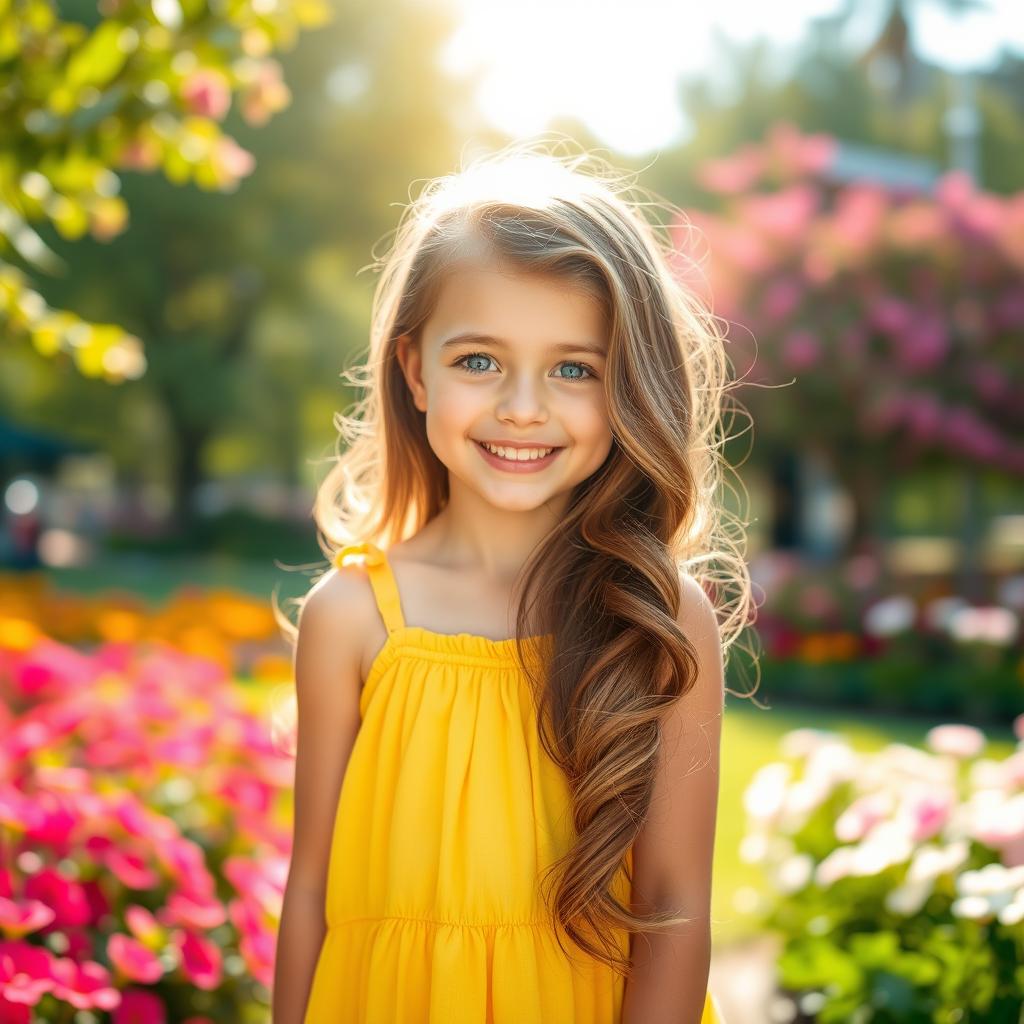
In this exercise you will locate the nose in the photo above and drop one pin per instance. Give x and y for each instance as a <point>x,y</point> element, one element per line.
<point>521,401</point>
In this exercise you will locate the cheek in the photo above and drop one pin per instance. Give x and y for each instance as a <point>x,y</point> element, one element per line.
<point>589,420</point>
<point>453,410</point>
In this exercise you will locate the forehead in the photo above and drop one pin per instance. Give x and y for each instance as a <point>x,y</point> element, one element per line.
<point>526,309</point>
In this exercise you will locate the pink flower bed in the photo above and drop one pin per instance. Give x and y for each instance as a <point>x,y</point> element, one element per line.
<point>144,837</point>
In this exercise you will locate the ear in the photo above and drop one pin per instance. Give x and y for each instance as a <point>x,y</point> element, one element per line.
<point>410,358</point>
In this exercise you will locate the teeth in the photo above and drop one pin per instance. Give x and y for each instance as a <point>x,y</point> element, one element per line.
<point>518,454</point>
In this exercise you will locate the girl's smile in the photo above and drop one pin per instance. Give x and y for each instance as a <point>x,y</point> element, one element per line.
<point>518,458</point>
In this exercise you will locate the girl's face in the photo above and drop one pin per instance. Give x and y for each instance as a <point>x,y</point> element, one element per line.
<point>518,361</point>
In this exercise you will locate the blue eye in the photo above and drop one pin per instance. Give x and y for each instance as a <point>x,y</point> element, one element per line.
<point>463,361</point>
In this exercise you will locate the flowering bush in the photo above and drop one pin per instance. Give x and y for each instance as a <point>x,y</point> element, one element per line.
<point>845,634</point>
<point>223,625</point>
<point>144,836</point>
<point>896,878</point>
<point>899,312</point>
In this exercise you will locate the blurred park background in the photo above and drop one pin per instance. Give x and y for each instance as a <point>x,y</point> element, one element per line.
<point>190,196</point>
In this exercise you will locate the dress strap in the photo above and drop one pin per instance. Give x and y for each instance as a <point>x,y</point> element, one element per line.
<point>382,579</point>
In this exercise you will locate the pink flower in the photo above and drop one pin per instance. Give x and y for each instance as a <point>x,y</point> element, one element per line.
<point>861,817</point>
<point>86,986</point>
<point>266,94</point>
<point>785,214</point>
<point>781,297</point>
<point>133,959</point>
<point>65,897</point>
<point>246,791</point>
<point>860,210</point>
<point>891,315</point>
<point>195,913</point>
<point>186,861</point>
<point>130,869</point>
<point>923,417</point>
<point>734,174</point>
<point>961,741</point>
<point>1013,768</point>
<point>990,383</point>
<point>18,918</point>
<point>207,92</point>
<point>144,925</point>
<point>923,344</point>
<point>140,1007</point>
<point>200,959</point>
<point>928,813</point>
<point>801,350</point>
<point>140,155</point>
<point>954,189</point>
<point>1008,309</point>
<point>794,153</point>
<point>257,942</point>
<point>966,433</point>
<point>231,161</point>
<point>915,225</point>
<point>25,975</point>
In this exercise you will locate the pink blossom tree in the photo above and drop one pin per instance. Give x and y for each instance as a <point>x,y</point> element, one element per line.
<point>898,316</point>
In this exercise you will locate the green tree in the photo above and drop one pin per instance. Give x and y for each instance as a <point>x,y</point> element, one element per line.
<point>251,308</point>
<point>144,86</point>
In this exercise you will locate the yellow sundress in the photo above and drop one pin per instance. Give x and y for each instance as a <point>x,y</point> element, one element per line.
<point>449,810</point>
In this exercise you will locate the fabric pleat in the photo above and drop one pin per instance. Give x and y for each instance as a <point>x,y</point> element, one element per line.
<point>449,812</point>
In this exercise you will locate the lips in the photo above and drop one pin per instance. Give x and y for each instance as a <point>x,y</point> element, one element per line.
<point>519,465</point>
<point>516,444</point>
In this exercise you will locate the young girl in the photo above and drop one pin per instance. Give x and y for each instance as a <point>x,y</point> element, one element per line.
<point>509,686</point>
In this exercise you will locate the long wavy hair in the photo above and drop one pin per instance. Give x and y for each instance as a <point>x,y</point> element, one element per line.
<point>605,585</point>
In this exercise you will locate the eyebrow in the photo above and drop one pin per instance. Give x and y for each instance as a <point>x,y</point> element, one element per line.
<point>465,337</point>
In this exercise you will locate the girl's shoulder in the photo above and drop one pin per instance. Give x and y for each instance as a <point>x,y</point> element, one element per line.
<point>340,608</point>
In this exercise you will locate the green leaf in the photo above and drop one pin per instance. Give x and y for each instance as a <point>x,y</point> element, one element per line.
<point>102,55</point>
<point>816,963</point>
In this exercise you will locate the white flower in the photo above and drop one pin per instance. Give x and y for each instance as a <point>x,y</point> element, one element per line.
<point>1013,913</point>
<point>794,873</point>
<point>991,880</point>
<point>908,899</point>
<point>887,844</point>
<point>990,891</point>
<point>974,907</point>
<point>930,861</point>
<point>986,773</point>
<point>832,763</point>
<point>803,742</point>
<point>956,740</point>
<point>838,864</point>
<point>800,802</point>
<point>764,797</point>
<point>890,616</point>
<point>990,624</point>
<point>912,763</point>
<point>764,848</point>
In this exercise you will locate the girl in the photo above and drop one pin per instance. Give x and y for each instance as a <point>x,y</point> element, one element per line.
<point>510,687</point>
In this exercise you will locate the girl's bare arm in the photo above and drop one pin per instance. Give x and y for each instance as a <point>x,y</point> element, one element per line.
<point>674,851</point>
<point>332,628</point>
